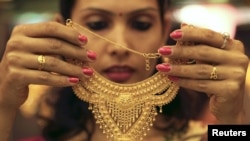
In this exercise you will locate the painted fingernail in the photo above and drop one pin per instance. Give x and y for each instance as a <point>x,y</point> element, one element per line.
<point>163,67</point>
<point>165,50</point>
<point>73,79</point>
<point>83,39</point>
<point>88,71</point>
<point>173,79</point>
<point>177,34</point>
<point>91,55</point>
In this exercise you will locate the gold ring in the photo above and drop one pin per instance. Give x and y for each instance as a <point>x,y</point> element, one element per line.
<point>225,36</point>
<point>41,62</point>
<point>213,74</point>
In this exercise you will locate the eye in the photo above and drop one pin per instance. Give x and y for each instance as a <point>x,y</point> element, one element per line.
<point>97,25</point>
<point>140,25</point>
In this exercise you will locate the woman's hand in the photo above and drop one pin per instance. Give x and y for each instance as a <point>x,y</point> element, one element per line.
<point>49,42</point>
<point>219,71</point>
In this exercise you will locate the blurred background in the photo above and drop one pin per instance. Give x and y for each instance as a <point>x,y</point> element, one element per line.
<point>232,16</point>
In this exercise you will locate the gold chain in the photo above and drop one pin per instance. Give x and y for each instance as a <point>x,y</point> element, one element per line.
<point>147,56</point>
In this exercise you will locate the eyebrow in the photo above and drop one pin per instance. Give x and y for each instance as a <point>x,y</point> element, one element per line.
<point>98,10</point>
<point>129,13</point>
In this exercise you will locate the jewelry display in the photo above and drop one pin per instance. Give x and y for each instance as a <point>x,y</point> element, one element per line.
<point>124,112</point>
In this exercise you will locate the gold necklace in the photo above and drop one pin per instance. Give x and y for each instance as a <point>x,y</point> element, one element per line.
<point>125,112</point>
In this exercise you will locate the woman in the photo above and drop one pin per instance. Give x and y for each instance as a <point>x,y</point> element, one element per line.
<point>140,26</point>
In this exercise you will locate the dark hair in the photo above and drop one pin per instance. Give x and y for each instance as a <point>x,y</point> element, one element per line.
<point>70,118</point>
<point>72,114</point>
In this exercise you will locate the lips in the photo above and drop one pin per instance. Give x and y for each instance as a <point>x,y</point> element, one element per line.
<point>119,74</point>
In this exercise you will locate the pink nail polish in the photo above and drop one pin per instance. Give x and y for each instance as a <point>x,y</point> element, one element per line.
<point>83,38</point>
<point>173,79</point>
<point>165,51</point>
<point>177,34</point>
<point>163,67</point>
<point>91,55</point>
<point>73,80</point>
<point>87,71</point>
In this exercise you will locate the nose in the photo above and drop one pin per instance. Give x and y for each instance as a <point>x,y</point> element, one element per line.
<point>120,39</point>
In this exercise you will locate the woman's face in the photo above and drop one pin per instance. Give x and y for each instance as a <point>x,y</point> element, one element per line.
<point>134,24</point>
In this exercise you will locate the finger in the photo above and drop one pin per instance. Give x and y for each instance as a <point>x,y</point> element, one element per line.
<point>202,53</point>
<point>202,36</point>
<point>210,86</point>
<point>45,78</point>
<point>56,47</point>
<point>50,29</point>
<point>56,65</point>
<point>203,71</point>
<point>199,71</point>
